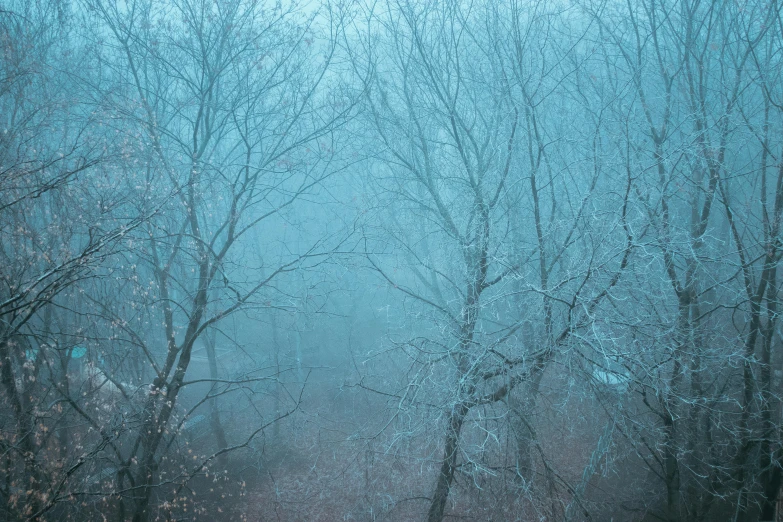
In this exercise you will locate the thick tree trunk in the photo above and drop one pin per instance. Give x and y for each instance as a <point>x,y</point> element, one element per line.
<point>524,432</point>
<point>147,485</point>
<point>771,489</point>
<point>449,465</point>
<point>25,423</point>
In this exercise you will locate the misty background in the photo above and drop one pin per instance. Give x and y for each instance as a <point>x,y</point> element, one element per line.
<point>390,260</point>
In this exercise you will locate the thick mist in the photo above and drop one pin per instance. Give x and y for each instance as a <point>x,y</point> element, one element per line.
<point>393,260</point>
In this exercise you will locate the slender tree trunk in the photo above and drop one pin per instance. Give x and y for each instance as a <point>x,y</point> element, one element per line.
<point>217,426</point>
<point>63,434</point>
<point>671,471</point>
<point>770,470</point>
<point>278,385</point>
<point>671,462</point>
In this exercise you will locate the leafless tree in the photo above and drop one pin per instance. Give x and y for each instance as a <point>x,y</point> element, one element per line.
<point>468,163</point>
<point>232,103</point>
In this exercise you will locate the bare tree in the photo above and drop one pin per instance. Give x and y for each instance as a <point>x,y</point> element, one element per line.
<point>53,241</point>
<point>232,104</point>
<point>694,109</point>
<point>459,115</point>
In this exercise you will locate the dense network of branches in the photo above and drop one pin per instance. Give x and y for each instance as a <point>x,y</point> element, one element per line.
<point>427,259</point>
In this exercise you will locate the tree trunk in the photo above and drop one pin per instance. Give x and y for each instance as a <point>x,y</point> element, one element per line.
<point>217,426</point>
<point>278,384</point>
<point>449,465</point>
<point>771,489</point>
<point>141,513</point>
<point>671,471</point>
<point>524,432</point>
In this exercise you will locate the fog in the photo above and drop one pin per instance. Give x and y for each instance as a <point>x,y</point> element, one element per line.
<point>390,260</point>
